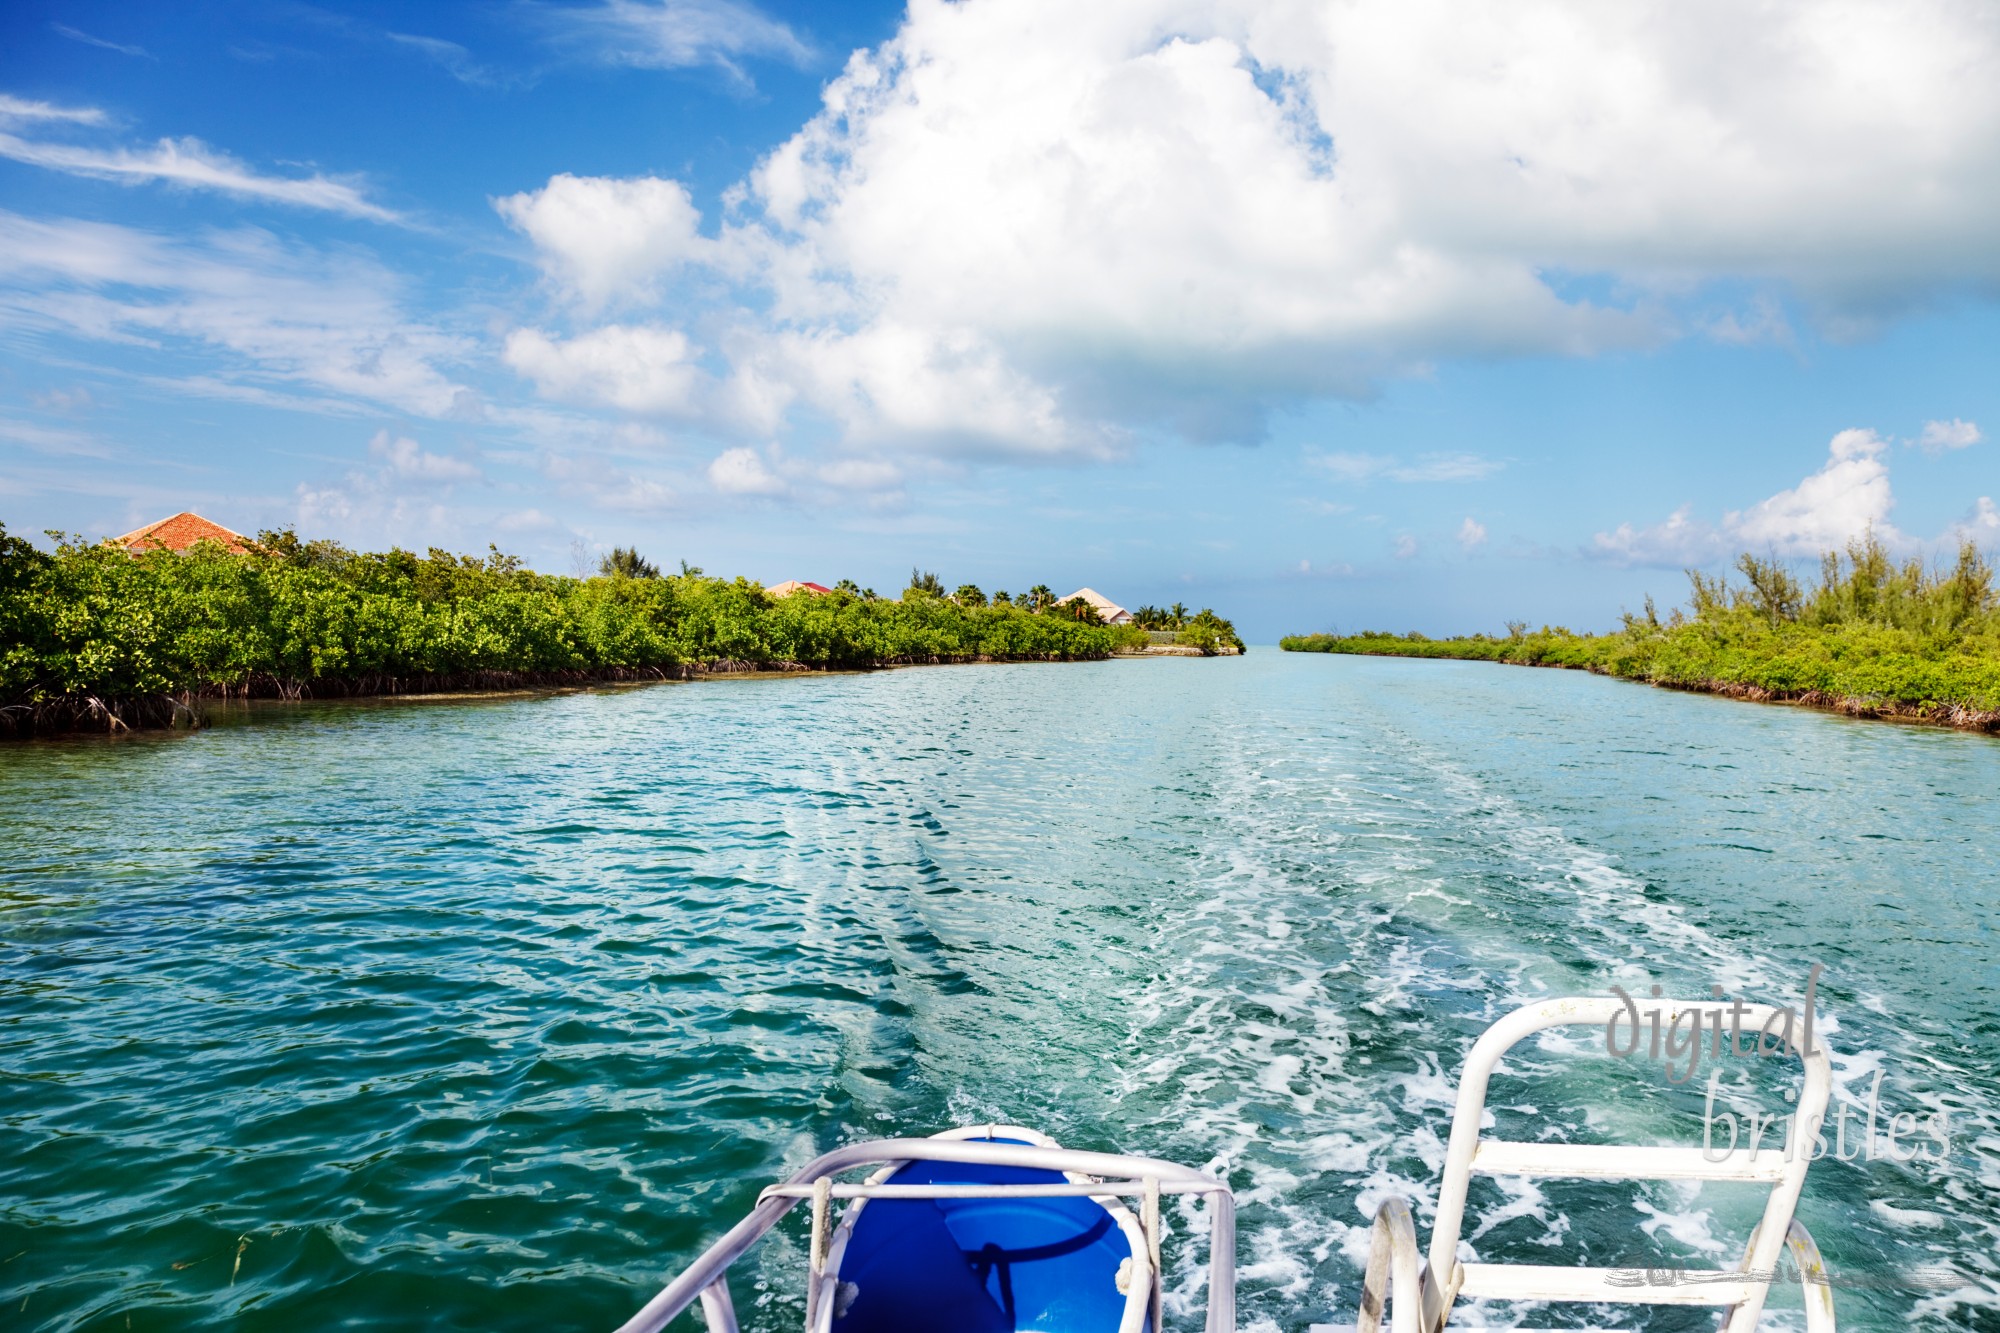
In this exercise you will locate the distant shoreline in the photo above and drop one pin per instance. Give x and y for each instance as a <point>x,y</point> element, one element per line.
<point>1953,716</point>
<point>1870,639</point>
<point>184,710</point>
<point>187,711</point>
<point>96,637</point>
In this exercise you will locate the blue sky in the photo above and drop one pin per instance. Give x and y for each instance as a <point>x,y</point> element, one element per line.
<point>1323,315</point>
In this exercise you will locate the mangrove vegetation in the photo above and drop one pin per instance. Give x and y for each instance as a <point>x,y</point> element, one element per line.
<point>94,637</point>
<point>1868,636</point>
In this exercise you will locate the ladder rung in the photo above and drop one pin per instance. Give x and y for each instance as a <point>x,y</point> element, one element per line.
<point>1478,1328</point>
<point>1592,1161</point>
<point>1625,1286</point>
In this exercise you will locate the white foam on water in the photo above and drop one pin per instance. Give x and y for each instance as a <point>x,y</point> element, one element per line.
<point>1691,1227</point>
<point>1248,1017</point>
<point>1907,1217</point>
<point>1524,1199</point>
<point>1626,931</point>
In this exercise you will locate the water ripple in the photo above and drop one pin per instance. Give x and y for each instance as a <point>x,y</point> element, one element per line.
<point>495,1012</point>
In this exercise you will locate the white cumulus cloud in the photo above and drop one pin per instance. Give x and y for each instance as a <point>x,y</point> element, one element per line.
<point>1679,539</point>
<point>1848,497</point>
<point>638,368</point>
<point>741,472</point>
<point>1941,437</point>
<point>945,385</point>
<point>1845,498</point>
<point>1033,227</point>
<point>598,238</point>
<point>1981,525</point>
<point>1471,534</point>
<point>1156,210</point>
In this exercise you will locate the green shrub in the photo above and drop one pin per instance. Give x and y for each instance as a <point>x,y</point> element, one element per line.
<point>89,622</point>
<point>1906,636</point>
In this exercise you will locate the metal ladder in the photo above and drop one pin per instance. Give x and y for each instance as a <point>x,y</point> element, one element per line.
<point>1420,1295</point>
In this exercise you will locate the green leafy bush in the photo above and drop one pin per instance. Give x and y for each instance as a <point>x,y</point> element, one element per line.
<point>1869,635</point>
<point>90,634</point>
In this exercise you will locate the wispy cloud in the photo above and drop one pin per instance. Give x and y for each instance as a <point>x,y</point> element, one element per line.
<point>56,440</point>
<point>75,35</point>
<point>454,59</point>
<point>1425,467</point>
<point>267,316</point>
<point>592,478</point>
<point>676,34</point>
<point>14,110</point>
<point>407,461</point>
<point>402,494</point>
<point>63,400</point>
<point>192,163</point>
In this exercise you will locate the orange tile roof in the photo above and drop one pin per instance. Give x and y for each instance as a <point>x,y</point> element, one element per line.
<point>180,532</point>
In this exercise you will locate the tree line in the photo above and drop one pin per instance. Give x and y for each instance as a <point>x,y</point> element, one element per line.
<point>1868,634</point>
<point>1204,628</point>
<point>91,636</point>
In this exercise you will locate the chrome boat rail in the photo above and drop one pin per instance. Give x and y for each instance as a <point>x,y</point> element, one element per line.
<point>1109,1175</point>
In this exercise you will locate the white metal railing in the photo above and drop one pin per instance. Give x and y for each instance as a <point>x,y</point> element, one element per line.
<point>1392,1272</point>
<point>1422,1300</point>
<point>1396,1280</point>
<point>1111,1175</point>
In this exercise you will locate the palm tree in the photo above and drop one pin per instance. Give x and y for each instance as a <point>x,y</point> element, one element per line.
<point>1040,598</point>
<point>1079,609</point>
<point>1179,613</point>
<point>848,586</point>
<point>968,594</point>
<point>625,562</point>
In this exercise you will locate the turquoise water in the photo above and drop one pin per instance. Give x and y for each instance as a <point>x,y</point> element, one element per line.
<point>490,1014</point>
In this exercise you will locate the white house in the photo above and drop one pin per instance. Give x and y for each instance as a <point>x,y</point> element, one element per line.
<point>1110,611</point>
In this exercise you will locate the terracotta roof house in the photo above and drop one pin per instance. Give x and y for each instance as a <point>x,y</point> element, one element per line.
<point>180,532</point>
<point>790,586</point>
<point>1110,611</point>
